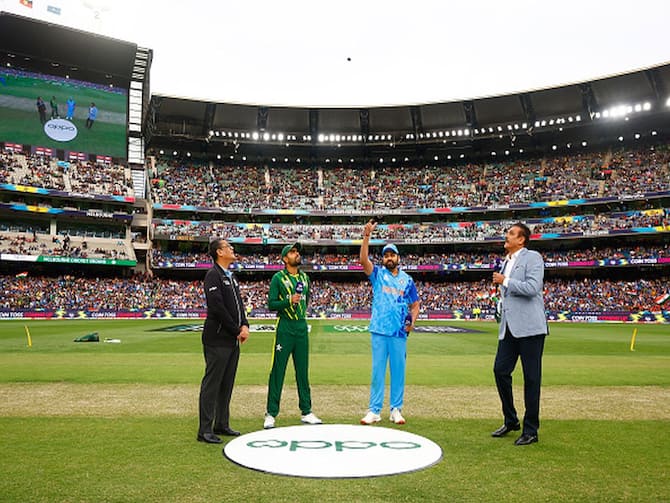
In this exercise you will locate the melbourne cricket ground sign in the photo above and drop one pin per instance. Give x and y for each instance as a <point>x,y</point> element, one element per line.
<point>333,451</point>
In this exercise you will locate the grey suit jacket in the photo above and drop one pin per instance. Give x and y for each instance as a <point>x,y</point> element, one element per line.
<point>522,301</point>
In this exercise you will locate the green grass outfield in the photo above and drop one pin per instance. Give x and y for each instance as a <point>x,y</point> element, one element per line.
<point>117,422</point>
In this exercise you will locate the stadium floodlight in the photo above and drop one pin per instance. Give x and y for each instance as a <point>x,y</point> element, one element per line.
<point>337,137</point>
<point>620,138</point>
<point>440,134</point>
<point>460,132</point>
<point>449,157</point>
<point>327,161</point>
<point>161,152</point>
<point>218,156</point>
<point>255,135</point>
<point>274,159</point>
<point>436,158</point>
<point>381,160</point>
<point>266,136</point>
<point>638,107</point>
<point>506,152</point>
<point>244,157</point>
<point>500,128</point>
<point>462,156</point>
<point>466,132</point>
<point>554,147</point>
<point>543,123</point>
<point>524,125</point>
<point>521,151</point>
<point>285,159</point>
<point>321,137</point>
<point>584,144</point>
<point>493,154</point>
<point>174,152</point>
<point>568,145</point>
<point>646,106</point>
<point>331,137</point>
<point>298,160</point>
<point>637,136</point>
<point>406,159</point>
<point>280,136</point>
<point>232,157</point>
<point>393,159</point>
<point>351,160</point>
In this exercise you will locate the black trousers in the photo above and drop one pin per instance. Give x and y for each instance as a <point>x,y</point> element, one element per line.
<point>530,350</point>
<point>216,388</point>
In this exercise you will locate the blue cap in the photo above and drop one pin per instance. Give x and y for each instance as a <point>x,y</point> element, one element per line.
<point>390,247</point>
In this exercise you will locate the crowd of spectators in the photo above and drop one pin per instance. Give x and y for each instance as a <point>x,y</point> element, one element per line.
<point>82,177</point>
<point>144,293</point>
<point>87,177</point>
<point>582,175</point>
<point>62,245</point>
<point>413,233</point>
<point>316,258</point>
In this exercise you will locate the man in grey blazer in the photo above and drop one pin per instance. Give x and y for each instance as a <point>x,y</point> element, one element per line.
<point>523,327</point>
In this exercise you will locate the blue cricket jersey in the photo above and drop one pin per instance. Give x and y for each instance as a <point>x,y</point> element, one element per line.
<point>391,298</point>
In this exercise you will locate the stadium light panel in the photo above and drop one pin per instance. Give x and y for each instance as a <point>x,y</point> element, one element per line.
<point>285,159</point>
<point>620,138</point>
<point>584,144</point>
<point>637,136</point>
<point>462,156</point>
<point>255,135</point>
<point>506,152</point>
<point>521,151</point>
<point>449,157</point>
<point>554,147</point>
<point>174,153</point>
<point>274,159</point>
<point>436,158</point>
<point>298,160</point>
<point>321,138</point>
<point>280,136</point>
<point>381,159</point>
<point>161,152</point>
<point>244,157</point>
<point>646,106</point>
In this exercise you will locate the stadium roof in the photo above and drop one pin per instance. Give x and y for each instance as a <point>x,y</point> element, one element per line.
<point>638,98</point>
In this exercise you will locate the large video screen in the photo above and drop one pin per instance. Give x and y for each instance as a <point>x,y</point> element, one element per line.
<point>64,114</point>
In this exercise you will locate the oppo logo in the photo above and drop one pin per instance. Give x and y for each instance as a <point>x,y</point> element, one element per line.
<point>338,445</point>
<point>333,451</point>
<point>60,130</point>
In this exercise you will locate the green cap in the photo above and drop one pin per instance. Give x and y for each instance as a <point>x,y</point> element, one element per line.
<point>288,248</point>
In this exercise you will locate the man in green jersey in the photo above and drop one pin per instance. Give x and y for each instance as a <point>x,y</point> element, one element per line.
<point>289,296</point>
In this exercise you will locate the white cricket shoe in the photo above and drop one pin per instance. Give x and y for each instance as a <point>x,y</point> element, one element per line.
<point>268,422</point>
<point>370,418</point>
<point>310,419</point>
<point>396,417</point>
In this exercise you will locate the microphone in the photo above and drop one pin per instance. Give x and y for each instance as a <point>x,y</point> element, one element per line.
<point>299,287</point>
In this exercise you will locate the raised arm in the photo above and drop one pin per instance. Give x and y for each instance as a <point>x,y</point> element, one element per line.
<point>365,247</point>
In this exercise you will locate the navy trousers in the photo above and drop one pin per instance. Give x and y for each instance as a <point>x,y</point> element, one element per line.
<point>530,350</point>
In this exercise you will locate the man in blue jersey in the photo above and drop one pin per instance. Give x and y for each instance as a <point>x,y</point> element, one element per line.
<point>395,308</point>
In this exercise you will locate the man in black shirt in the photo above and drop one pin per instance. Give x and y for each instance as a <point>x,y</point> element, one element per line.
<point>226,327</point>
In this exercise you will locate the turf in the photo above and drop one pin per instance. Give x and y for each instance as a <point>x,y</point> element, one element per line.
<point>122,420</point>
